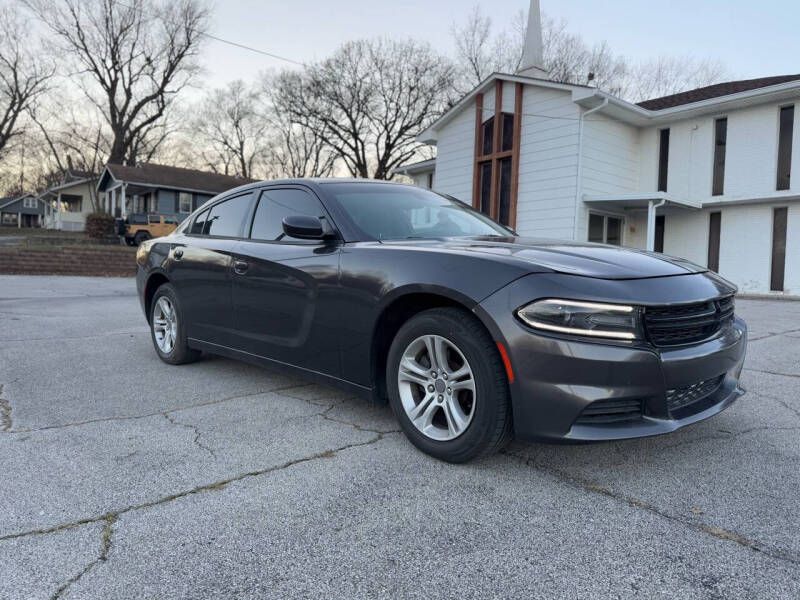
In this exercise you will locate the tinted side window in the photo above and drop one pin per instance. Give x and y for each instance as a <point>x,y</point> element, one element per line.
<point>199,223</point>
<point>227,217</point>
<point>274,205</point>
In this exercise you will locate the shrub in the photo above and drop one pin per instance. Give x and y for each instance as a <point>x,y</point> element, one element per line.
<point>99,225</point>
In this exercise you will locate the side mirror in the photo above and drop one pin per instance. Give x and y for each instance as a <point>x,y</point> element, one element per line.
<point>305,228</point>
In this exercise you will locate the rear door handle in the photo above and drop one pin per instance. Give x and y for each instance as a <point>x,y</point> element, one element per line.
<point>240,267</point>
<point>178,254</point>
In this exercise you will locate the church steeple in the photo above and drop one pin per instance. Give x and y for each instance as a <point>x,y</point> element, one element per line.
<point>532,56</point>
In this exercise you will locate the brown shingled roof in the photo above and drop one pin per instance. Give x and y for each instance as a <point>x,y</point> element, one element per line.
<point>176,177</point>
<point>715,91</point>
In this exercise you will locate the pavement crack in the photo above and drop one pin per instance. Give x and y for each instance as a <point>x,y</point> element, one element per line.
<point>155,413</point>
<point>325,415</point>
<point>80,337</point>
<point>196,431</point>
<point>105,547</point>
<point>712,530</point>
<point>771,372</point>
<point>5,413</point>
<point>729,435</point>
<point>111,516</point>
<point>771,335</point>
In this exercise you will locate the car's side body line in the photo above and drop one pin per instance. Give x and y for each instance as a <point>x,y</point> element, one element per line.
<point>290,369</point>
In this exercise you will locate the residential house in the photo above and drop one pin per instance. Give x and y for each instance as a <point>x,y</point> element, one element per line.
<point>704,175</point>
<point>159,189</point>
<point>67,204</point>
<point>420,173</point>
<point>21,211</point>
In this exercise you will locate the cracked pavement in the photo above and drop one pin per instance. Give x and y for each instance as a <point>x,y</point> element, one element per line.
<point>123,477</point>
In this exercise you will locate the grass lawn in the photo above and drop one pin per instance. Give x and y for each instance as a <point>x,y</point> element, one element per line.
<point>38,232</point>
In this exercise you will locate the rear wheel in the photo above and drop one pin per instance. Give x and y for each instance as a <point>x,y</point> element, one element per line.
<point>448,387</point>
<point>141,236</point>
<point>167,328</point>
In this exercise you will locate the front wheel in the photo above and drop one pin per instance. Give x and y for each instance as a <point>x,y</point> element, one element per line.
<point>168,328</point>
<point>448,387</point>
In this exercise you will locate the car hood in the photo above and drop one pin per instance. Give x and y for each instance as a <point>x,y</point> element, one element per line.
<point>586,259</point>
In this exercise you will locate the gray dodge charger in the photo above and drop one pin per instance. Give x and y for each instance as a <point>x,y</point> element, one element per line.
<point>472,334</point>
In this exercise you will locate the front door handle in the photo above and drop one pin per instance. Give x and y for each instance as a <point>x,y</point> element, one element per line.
<point>240,267</point>
<point>178,254</point>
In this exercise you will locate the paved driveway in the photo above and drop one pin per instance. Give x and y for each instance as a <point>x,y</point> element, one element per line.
<point>121,476</point>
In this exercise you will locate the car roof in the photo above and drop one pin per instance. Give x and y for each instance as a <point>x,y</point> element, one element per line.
<point>316,181</point>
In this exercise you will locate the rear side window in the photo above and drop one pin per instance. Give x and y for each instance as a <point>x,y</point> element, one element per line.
<point>199,223</point>
<point>137,219</point>
<point>155,219</point>
<point>170,220</point>
<point>274,205</point>
<point>227,218</point>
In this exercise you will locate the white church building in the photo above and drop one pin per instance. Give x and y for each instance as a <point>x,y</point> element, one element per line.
<point>704,175</point>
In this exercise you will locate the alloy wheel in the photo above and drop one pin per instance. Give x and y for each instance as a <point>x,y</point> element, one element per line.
<point>437,387</point>
<point>165,325</point>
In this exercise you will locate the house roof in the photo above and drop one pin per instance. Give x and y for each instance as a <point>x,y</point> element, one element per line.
<point>8,200</point>
<point>422,166</point>
<point>715,91</point>
<point>428,135</point>
<point>731,95</point>
<point>155,175</point>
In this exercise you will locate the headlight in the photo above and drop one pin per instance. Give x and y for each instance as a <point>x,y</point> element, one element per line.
<point>141,253</point>
<point>616,321</point>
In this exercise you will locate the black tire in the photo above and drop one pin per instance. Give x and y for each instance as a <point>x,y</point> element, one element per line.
<point>180,353</point>
<point>491,426</point>
<point>141,236</point>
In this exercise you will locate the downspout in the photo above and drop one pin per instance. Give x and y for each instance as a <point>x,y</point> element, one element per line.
<point>579,181</point>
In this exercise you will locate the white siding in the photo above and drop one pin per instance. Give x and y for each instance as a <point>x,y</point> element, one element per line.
<point>686,235</point>
<point>746,247</point>
<point>745,256</point>
<point>610,165</point>
<point>548,164</point>
<point>421,179</point>
<point>792,276</point>
<point>455,156</point>
<point>750,157</point>
<point>610,156</point>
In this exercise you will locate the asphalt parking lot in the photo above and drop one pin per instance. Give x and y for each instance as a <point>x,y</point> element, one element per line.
<point>122,477</point>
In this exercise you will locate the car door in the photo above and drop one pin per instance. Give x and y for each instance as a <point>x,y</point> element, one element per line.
<point>201,269</point>
<point>283,287</point>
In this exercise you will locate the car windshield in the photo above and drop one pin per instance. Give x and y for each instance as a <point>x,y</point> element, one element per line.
<point>393,212</point>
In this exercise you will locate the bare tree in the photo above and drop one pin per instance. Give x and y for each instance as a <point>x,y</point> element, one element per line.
<point>140,54</point>
<point>569,59</point>
<point>368,101</point>
<point>668,75</point>
<point>292,150</point>
<point>23,76</point>
<point>479,52</point>
<point>76,141</point>
<point>233,130</point>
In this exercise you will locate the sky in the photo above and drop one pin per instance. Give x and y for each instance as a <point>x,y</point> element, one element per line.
<point>753,39</point>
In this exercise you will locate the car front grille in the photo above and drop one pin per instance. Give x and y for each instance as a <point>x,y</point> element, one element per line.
<point>687,323</point>
<point>689,394</point>
<point>610,411</point>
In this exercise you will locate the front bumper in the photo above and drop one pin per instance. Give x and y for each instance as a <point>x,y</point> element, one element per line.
<point>557,377</point>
